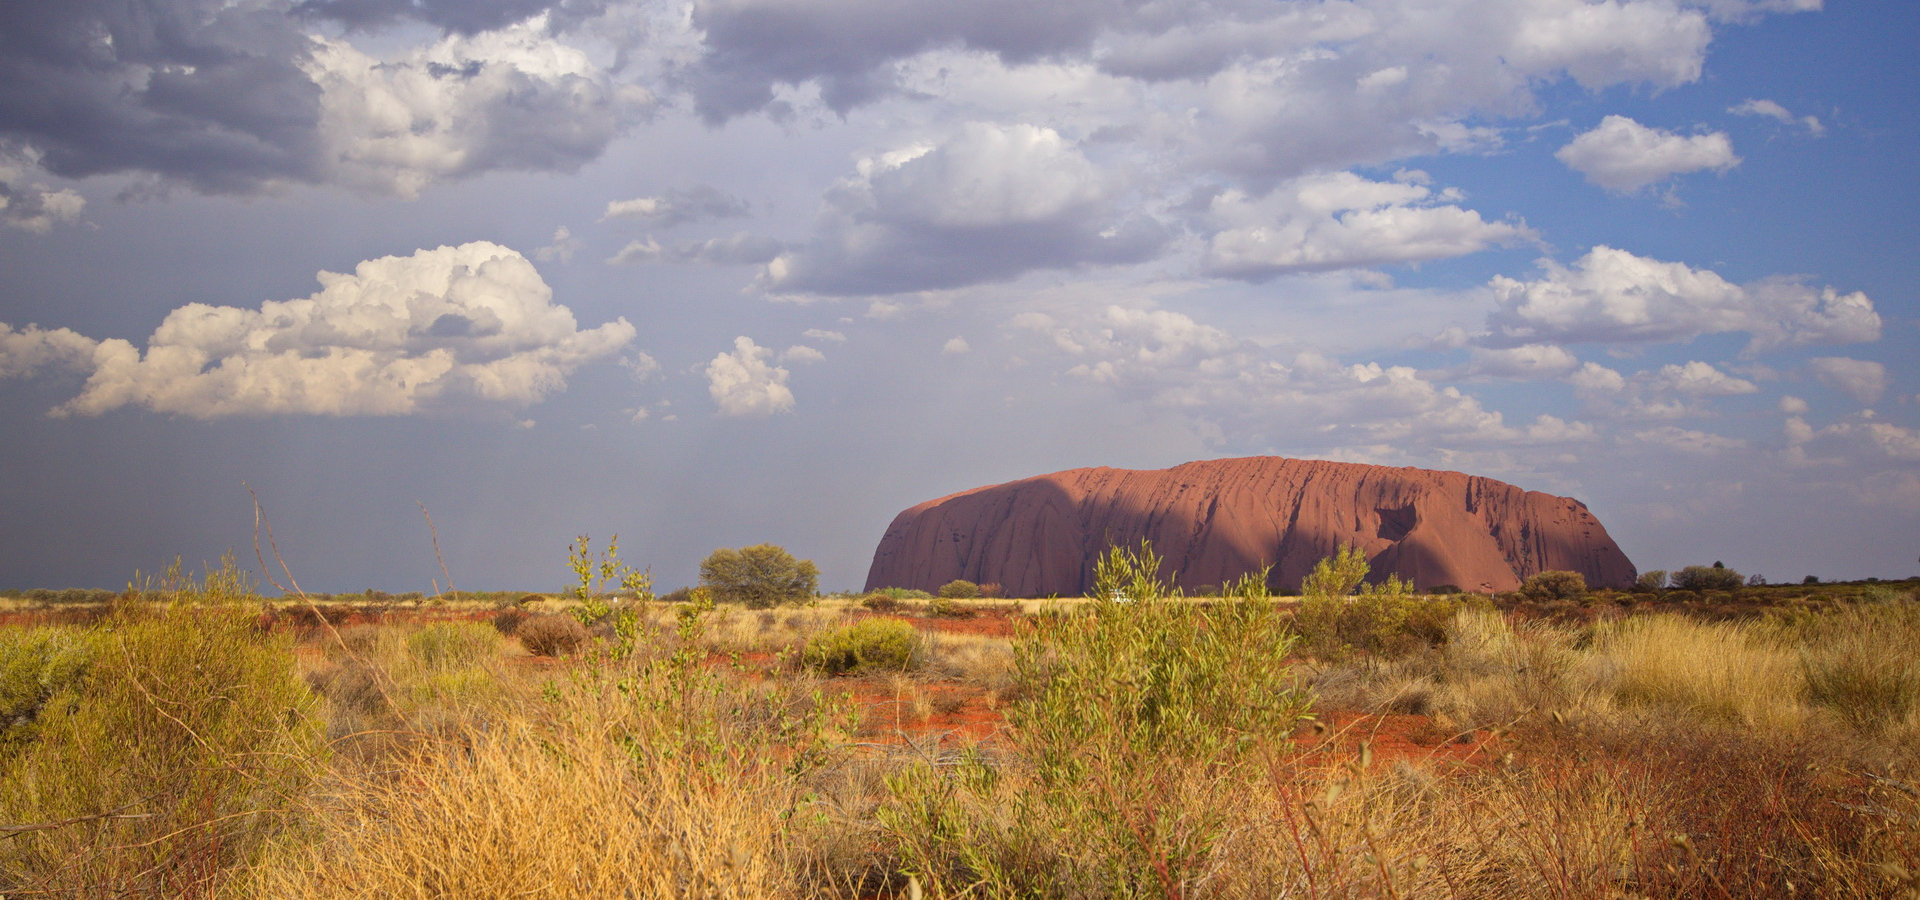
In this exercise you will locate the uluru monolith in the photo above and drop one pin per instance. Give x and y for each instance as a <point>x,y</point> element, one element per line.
<point>1215,520</point>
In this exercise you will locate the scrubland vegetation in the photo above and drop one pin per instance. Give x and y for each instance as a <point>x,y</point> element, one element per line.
<point>194,740</point>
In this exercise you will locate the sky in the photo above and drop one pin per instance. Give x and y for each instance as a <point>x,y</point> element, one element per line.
<point>742,271</point>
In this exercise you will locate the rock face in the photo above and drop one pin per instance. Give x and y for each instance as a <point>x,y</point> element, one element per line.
<point>1216,520</point>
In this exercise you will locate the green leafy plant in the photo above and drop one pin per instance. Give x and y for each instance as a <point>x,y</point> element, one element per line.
<point>759,576</point>
<point>1701,579</point>
<point>869,645</point>
<point>959,589</point>
<point>1119,701</point>
<point>1554,584</point>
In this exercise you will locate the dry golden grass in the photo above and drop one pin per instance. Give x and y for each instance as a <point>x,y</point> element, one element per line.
<point>523,811</point>
<point>1650,757</point>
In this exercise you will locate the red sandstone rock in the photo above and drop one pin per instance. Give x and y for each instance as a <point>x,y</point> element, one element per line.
<point>1217,519</point>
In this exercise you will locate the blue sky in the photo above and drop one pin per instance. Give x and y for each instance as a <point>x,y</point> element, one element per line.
<point>727,272</point>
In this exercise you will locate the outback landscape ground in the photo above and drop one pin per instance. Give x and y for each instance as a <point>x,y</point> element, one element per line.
<point>192,738</point>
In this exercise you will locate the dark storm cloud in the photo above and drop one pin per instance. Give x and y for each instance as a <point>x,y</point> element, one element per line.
<point>236,99</point>
<point>189,89</point>
<point>454,16</point>
<point>754,45</point>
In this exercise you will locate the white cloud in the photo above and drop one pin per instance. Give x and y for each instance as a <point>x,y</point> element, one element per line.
<point>801,353</point>
<point>1340,220</point>
<point>1863,380</point>
<point>678,207</point>
<point>401,334</point>
<point>33,349</point>
<point>743,383</point>
<point>1624,155</point>
<point>1613,296</point>
<point>1687,440</point>
<point>822,334</point>
<point>988,204</point>
<point>1314,403</point>
<point>1697,379</point>
<point>1792,405</point>
<point>1778,113</point>
<point>561,248</point>
<point>1527,362</point>
<point>513,98</point>
<point>954,346</point>
<point>36,208</point>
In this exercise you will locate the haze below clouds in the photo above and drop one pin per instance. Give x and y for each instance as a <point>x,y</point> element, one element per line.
<point>737,271</point>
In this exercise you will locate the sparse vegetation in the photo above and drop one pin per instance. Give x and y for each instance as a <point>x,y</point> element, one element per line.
<point>1370,743</point>
<point>959,589</point>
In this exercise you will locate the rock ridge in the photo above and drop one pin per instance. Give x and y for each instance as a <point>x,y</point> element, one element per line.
<point>1215,520</point>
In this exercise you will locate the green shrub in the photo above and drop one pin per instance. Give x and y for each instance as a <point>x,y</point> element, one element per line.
<point>36,666</point>
<point>1701,579</point>
<point>1381,620</point>
<point>960,589</point>
<point>1338,575</point>
<point>1650,581</point>
<point>551,634</point>
<point>759,576</point>
<point>879,602</point>
<point>1136,718</point>
<point>1554,584</point>
<point>900,593</point>
<point>877,644</point>
<point>174,756</point>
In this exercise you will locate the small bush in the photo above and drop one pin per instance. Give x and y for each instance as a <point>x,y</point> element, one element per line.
<point>879,603</point>
<point>508,621</point>
<point>949,609</point>
<point>551,635</point>
<point>1555,584</point>
<point>900,593</point>
<point>1650,581</point>
<point>960,589</point>
<point>1708,578</point>
<point>876,644</point>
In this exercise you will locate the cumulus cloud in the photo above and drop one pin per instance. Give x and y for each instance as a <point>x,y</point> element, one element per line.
<point>678,207</point>
<point>1624,155</point>
<point>1778,113</point>
<point>846,46</point>
<point>801,353</point>
<point>1863,380</point>
<point>988,204</point>
<point>1527,362</point>
<point>1669,392</point>
<point>398,335</point>
<point>1340,220</point>
<point>32,349</point>
<point>1317,404</point>
<point>743,383</point>
<point>955,346</point>
<point>35,207</point>
<point>1613,296</point>
<point>239,98</point>
<point>561,248</point>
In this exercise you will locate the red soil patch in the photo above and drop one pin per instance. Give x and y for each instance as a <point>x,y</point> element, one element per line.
<point>919,710</point>
<point>1384,738</point>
